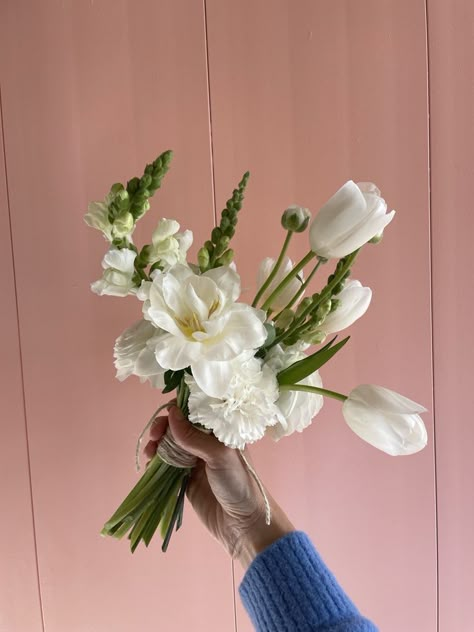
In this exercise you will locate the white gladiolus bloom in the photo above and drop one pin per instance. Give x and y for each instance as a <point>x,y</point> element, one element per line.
<point>354,301</point>
<point>385,419</point>
<point>298,407</point>
<point>348,220</point>
<point>134,354</point>
<point>168,245</point>
<point>246,409</point>
<point>287,294</point>
<point>118,272</point>
<point>204,326</point>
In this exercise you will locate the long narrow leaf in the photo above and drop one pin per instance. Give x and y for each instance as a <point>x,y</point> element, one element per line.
<point>301,369</point>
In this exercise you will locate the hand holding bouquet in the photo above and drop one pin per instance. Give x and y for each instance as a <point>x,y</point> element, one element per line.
<point>239,371</point>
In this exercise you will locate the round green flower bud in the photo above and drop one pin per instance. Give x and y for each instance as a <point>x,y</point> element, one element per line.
<point>337,289</point>
<point>145,181</point>
<point>303,306</point>
<point>295,218</point>
<point>203,259</point>
<point>226,258</point>
<point>132,185</point>
<point>209,246</point>
<point>313,337</point>
<point>123,224</point>
<point>216,235</point>
<point>115,188</point>
<point>335,302</point>
<point>222,246</point>
<point>324,309</point>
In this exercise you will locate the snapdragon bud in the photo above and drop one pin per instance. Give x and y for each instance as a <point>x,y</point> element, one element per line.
<point>226,258</point>
<point>335,302</point>
<point>115,188</point>
<point>323,310</point>
<point>285,318</point>
<point>122,199</point>
<point>123,224</point>
<point>222,246</point>
<point>203,259</point>
<point>303,306</point>
<point>295,218</point>
<point>313,337</point>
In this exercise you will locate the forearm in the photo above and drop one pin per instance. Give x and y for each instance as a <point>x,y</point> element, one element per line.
<point>288,586</point>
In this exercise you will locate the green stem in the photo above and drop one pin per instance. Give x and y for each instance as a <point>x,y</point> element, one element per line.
<point>301,290</point>
<point>291,275</point>
<point>313,389</point>
<point>296,327</point>
<point>275,269</point>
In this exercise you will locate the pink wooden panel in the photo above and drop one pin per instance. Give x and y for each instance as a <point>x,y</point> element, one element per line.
<point>93,90</point>
<point>307,95</point>
<point>20,607</point>
<point>451,50</point>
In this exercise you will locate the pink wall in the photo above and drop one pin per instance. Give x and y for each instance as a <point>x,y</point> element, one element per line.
<point>306,95</point>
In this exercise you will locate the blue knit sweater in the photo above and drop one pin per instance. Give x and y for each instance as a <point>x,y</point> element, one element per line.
<point>288,588</point>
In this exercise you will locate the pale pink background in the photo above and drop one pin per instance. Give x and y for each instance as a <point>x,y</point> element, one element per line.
<point>305,94</point>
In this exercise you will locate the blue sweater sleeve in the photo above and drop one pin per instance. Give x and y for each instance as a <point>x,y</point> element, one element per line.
<point>288,587</point>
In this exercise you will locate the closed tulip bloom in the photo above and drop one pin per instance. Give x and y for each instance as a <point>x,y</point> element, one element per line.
<point>353,302</point>
<point>349,219</point>
<point>385,419</point>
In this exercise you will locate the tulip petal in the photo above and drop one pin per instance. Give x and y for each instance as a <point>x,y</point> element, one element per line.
<point>385,400</point>
<point>175,353</point>
<point>212,377</point>
<point>227,280</point>
<point>394,434</point>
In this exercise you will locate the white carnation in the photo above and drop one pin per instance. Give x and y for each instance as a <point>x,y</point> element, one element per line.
<point>297,407</point>
<point>134,354</point>
<point>246,409</point>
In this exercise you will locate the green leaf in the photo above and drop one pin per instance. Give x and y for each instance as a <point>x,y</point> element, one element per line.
<point>301,369</point>
<point>172,380</point>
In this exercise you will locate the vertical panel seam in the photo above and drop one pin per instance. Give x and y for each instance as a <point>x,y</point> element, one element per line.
<point>7,191</point>
<point>209,109</point>
<point>214,203</point>
<point>432,342</point>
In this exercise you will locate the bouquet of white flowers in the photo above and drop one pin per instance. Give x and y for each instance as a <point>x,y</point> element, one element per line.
<point>239,371</point>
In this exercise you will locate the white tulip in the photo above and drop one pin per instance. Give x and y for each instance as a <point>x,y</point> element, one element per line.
<point>354,301</point>
<point>291,289</point>
<point>134,354</point>
<point>349,219</point>
<point>203,325</point>
<point>168,245</point>
<point>385,419</point>
<point>118,273</point>
<point>298,408</point>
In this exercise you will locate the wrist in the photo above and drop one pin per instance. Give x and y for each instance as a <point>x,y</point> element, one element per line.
<point>261,535</point>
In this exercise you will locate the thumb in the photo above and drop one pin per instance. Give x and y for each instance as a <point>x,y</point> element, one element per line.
<point>204,446</point>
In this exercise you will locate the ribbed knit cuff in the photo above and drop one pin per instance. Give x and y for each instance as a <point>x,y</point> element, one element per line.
<point>288,587</point>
